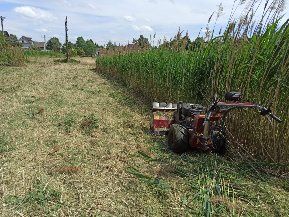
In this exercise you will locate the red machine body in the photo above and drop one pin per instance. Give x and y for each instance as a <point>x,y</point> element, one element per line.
<point>162,119</point>
<point>194,126</point>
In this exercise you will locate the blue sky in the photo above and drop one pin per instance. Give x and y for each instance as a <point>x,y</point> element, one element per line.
<point>116,20</point>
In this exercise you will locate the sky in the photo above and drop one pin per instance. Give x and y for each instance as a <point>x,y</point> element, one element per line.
<point>117,20</point>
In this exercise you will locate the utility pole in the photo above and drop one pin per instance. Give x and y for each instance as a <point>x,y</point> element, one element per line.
<point>66,39</point>
<point>44,42</point>
<point>2,19</point>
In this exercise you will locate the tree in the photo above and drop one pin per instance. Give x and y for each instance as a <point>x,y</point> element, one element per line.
<point>86,48</point>
<point>53,44</point>
<point>142,42</point>
<point>90,48</point>
<point>80,46</point>
<point>13,40</point>
<point>109,45</point>
<point>72,50</point>
<point>80,42</point>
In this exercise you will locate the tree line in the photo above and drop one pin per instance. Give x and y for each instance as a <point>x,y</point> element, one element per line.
<point>80,48</point>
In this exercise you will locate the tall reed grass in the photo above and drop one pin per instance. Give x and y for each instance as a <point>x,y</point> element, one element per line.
<point>250,56</point>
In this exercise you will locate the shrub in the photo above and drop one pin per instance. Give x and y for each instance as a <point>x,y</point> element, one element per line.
<point>10,55</point>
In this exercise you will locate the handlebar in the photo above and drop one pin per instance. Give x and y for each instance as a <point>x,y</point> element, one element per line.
<point>265,112</point>
<point>228,106</point>
<point>275,117</point>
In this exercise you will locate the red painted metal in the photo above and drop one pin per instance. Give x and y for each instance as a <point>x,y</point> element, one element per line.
<point>161,121</point>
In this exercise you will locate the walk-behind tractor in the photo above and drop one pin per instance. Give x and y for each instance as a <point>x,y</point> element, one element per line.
<point>194,126</point>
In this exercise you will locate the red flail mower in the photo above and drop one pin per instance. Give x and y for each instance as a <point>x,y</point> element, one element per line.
<point>194,126</point>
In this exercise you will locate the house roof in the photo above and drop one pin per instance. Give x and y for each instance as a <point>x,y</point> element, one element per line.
<point>24,38</point>
<point>39,44</point>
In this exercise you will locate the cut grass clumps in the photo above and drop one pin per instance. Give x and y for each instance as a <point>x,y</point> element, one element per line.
<point>159,186</point>
<point>74,61</point>
<point>89,124</point>
<point>33,111</point>
<point>67,170</point>
<point>40,196</point>
<point>4,144</point>
<point>68,123</point>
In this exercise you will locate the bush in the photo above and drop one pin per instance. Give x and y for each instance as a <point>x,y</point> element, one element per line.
<point>10,55</point>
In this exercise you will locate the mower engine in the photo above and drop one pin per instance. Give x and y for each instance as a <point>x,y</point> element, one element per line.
<point>162,117</point>
<point>166,114</point>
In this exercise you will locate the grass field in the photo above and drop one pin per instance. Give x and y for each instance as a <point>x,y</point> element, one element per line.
<point>75,143</point>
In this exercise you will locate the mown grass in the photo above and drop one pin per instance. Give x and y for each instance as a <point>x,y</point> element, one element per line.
<point>251,56</point>
<point>77,144</point>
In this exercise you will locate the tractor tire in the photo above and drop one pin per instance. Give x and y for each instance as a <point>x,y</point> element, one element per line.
<point>219,142</point>
<point>178,139</point>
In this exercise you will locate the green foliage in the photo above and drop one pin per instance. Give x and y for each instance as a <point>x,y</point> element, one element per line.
<point>110,45</point>
<point>90,48</point>
<point>53,44</point>
<point>37,53</point>
<point>72,49</point>
<point>85,48</point>
<point>40,195</point>
<point>256,65</point>
<point>10,55</point>
<point>142,42</point>
<point>67,123</point>
<point>159,186</point>
<point>13,40</point>
<point>80,44</point>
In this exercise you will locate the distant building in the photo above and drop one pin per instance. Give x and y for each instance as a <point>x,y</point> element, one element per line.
<point>28,43</point>
<point>39,45</point>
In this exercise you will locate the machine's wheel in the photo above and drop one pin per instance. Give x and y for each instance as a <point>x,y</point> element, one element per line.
<point>219,142</point>
<point>178,139</point>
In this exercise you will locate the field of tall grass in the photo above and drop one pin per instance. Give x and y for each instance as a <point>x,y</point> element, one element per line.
<point>250,56</point>
<point>10,55</point>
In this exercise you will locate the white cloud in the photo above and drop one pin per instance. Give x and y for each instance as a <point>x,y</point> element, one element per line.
<point>143,28</point>
<point>42,30</point>
<point>129,18</point>
<point>120,21</point>
<point>92,6</point>
<point>35,13</point>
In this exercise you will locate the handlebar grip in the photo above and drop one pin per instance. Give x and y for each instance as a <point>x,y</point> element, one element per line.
<point>275,118</point>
